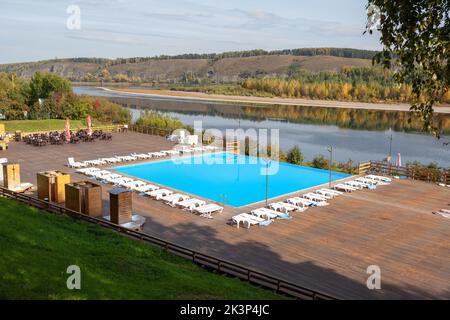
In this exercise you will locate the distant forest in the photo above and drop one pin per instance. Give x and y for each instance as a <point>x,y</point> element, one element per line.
<point>336,52</point>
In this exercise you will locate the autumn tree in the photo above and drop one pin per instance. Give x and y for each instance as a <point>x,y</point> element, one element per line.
<point>416,41</point>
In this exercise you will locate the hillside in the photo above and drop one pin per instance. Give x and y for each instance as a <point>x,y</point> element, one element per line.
<point>37,247</point>
<point>222,68</point>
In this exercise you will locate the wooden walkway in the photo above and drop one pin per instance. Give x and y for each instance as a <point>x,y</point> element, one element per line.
<point>327,249</point>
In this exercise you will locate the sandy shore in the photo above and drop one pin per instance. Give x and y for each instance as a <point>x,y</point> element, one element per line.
<point>184,95</point>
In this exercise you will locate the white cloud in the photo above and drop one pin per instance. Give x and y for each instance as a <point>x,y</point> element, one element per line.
<point>138,27</point>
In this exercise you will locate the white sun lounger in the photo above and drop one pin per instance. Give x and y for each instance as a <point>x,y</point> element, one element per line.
<point>191,204</point>
<point>379,178</point>
<point>145,188</point>
<point>87,170</point>
<point>264,213</point>
<point>325,193</point>
<point>158,194</point>
<point>208,209</point>
<point>356,184</point>
<point>285,207</point>
<point>328,193</point>
<point>141,156</point>
<point>314,197</point>
<point>110,160</point>
<point>99,174</point>
<point>170,152</point>
<point>186,150</point>
<point>443,213</point>
<point>319,200</point>
<point>121,181</point>
<point>23,187</point>
<point>71,163</point>
<point>372,181</point>
<point>344,187</point>
<point>126,158</point>
<point>301,202</point>
<point>246,218</point>
<point>158,154</point>
<point>134,184</point>
<point>173,198</point>
<point>444,185</point>
<point>331,191</point>
<point>110,178</point>
<point>96,162</point>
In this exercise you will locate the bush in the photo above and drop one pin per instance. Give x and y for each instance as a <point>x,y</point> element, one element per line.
<point>430,172</point>
<point>150,118</point>
<point>320,162</point>
<point>295,156</point>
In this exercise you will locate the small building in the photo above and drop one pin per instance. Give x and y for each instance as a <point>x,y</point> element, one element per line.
<point>121,210</point>
<point>84,197</point>
<point>51,185</point>
<point>11,175</point>
<point>120,205</point>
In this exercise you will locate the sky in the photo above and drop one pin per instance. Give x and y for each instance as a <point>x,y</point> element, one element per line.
<point>45,29</point>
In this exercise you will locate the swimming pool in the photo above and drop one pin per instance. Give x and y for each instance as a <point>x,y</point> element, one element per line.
<point>231,179</point>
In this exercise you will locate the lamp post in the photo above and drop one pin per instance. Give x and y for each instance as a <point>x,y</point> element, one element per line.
<point>330,150</point>
<point>267,181</point>
<point>390,146</point>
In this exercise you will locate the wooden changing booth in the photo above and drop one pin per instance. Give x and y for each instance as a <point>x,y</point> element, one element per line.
<point>51,185</point>
<point>85,197</point>
<point>120,202</point>
<point>11,175</point>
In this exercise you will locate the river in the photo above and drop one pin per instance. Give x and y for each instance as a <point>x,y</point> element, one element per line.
<point>358,135</point>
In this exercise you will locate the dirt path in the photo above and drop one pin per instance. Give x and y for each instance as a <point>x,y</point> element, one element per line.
<point>260,100</point>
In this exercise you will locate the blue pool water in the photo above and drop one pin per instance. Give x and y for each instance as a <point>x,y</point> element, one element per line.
<point>230,179</point>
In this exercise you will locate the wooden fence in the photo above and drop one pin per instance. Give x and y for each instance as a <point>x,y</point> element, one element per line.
<point>151,130</point>
<point>106,128</point>
<point>204,260</point>
<point>411,172</point>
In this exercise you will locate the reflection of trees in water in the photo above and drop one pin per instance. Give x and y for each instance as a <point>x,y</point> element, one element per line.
<point>361,119</point>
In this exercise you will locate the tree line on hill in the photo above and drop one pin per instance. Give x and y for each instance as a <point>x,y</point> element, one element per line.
<point>48,96</point>
<point>336,52</point>
<point>350,84</point>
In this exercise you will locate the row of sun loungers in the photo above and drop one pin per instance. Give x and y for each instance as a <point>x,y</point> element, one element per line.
<point>369,181</point>
<point>318,198</point>
<point>137,156</point>
<point>282,209</point>
<point>176,200</point>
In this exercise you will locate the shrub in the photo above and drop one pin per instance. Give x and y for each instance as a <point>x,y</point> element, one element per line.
<point>295,155</point>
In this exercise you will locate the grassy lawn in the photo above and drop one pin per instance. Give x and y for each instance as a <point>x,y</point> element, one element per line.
<point>44,125</point>
<point>37,247</point>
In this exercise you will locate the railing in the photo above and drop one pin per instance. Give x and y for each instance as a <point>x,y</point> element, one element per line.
<point>363,167</point>
<point>151,130</point>
<point>106,128</point>
<point>204,260</point>
<point>412,172</point>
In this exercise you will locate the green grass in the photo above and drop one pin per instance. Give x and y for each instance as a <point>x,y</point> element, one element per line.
<point>44,125</point>
<point>37,247</point>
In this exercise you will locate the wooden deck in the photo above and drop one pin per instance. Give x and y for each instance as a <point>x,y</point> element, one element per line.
<point>326,249</point>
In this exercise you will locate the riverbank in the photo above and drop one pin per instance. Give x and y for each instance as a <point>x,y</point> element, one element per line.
<point>183,95</point>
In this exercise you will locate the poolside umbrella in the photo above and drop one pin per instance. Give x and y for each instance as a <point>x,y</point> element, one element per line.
<point>399,160</point>
<point>89,125</point>
<point>67,129</point>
